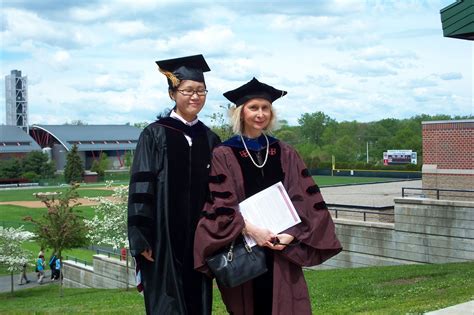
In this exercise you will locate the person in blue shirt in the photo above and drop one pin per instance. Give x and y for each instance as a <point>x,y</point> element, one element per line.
<point>52,266</point>
<point>57,269</point>
<point>40,268</point>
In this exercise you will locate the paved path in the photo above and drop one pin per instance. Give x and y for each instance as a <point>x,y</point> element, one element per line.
<point>5,281</point>
<point>372,195</point>
<point>460,309</point>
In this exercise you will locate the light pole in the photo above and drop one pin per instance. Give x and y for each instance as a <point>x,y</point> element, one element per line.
<point>367,152</point>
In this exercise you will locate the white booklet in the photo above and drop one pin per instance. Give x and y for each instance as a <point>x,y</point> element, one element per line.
<point>270,208</point>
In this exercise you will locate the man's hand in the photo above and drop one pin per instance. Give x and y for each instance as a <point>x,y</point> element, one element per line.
<point>147,253</point>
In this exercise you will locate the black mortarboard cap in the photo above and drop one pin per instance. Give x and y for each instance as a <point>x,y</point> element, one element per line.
<point>184,68</point>
<point>253,89</point>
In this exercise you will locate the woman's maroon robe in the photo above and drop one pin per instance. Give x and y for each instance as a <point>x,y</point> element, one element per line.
<point>222,222</point>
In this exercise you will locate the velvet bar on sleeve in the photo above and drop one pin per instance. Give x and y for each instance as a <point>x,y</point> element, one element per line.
<point>316,233</point>
<point>221,220</point>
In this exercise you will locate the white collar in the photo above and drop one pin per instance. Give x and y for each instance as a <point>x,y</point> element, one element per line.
<point>184,121</point>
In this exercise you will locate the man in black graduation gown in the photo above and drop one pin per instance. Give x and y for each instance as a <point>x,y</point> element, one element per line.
<point>168,188</point>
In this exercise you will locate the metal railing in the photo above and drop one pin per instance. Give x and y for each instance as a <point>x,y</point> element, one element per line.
<point>116,254</point>
<point>109,253</point>
<point>363,210</point>
<point>78,260</point>
<point>450,192</point>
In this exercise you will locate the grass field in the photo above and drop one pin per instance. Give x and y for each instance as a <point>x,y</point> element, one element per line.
<point>409,289</point>
<point>12,215</point>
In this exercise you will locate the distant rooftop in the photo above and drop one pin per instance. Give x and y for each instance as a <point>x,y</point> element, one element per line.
<point>14,140</point>
<point>94,137</point>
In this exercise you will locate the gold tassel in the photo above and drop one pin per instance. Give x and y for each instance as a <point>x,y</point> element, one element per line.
<point>174,80</point>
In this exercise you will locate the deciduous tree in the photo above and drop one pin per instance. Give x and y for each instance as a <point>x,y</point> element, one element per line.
<point>62,227</point>
<point>12,255</point>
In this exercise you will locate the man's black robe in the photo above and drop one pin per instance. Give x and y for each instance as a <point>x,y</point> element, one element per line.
<point>168,188</point>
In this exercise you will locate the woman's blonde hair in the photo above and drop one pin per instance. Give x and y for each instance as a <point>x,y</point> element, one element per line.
<point>237,119</point>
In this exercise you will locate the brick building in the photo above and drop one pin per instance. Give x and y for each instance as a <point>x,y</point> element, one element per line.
<point>448,155</point>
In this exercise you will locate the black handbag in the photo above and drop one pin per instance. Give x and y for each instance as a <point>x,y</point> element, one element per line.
<point>238,264</point>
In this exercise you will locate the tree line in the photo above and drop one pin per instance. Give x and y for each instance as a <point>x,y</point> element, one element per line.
<point>318,138</point>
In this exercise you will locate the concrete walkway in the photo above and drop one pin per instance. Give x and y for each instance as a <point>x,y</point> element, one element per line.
<point>5,281</point>
<point>460,309</point>
<point>371,195</point>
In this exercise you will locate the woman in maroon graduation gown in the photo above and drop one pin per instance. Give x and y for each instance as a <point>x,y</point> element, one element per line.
<point>168,188</point>
<point>242,166</point>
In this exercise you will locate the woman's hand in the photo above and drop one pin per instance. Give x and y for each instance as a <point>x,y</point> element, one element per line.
<point>147,253</point>
<point>281,241</point>
<point>262,236</point>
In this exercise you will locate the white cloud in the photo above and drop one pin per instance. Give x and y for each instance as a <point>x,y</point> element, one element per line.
<point>210,39</point>
<point>383,53</point>
<point>90,14</point>
<point>95,61</point>
<point>451,76</point>
<point>23,25</point>
<point>128,28</point>
<point>364,69</point>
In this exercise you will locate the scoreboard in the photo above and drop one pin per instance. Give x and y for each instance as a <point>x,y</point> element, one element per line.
<point>394,157</point>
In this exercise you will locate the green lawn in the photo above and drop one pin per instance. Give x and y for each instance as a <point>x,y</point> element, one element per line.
<point>412,289</point>
<point>79,253</point>
<point>343,180</point>
<point>11,215</point>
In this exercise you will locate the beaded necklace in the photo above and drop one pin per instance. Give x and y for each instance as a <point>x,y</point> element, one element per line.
<point>250,155</point>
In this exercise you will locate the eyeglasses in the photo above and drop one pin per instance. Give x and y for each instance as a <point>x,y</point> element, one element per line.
<point>191,92</point>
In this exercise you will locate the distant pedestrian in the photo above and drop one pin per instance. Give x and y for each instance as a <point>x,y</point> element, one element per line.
<point>57,270</point>
<point>23,275</point>
<point>40,264</point>
<point>53,263</point>
<point>52,266</point>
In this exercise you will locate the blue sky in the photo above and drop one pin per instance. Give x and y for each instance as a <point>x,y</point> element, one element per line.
<point>354,60</point>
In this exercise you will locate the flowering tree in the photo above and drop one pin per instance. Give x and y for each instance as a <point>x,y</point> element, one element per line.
<point>109,225</point>
<point>12,254</point>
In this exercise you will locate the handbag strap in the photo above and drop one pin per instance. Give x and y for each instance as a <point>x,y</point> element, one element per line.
<point>230,253</point>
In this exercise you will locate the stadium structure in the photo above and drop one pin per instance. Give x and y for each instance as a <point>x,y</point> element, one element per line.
<point>18,137</point>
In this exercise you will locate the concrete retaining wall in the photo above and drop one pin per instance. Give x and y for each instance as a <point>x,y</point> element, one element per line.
<point>425,231</point>
<point>106,272</point>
